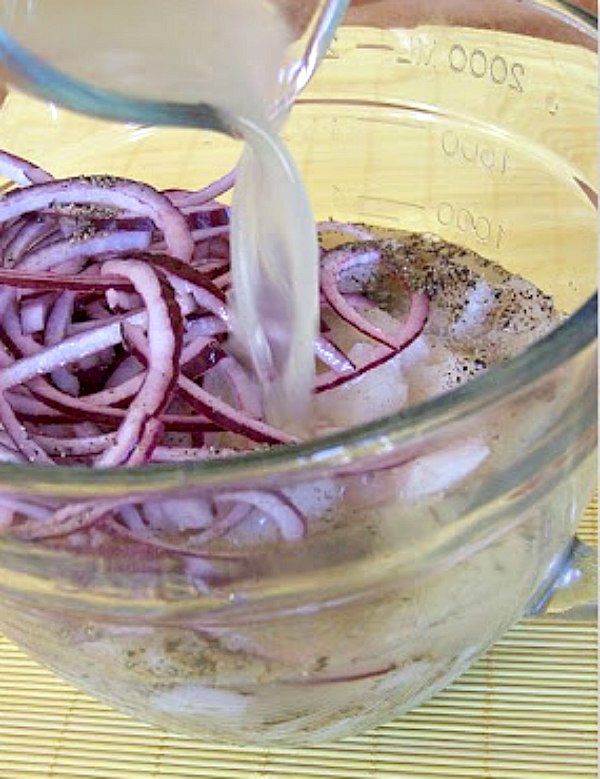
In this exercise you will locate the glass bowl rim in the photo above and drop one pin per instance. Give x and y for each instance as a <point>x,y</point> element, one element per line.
<point>361,443</point>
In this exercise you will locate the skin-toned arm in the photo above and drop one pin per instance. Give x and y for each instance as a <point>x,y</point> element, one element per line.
<point>510,15</point>
<point>588,5</point>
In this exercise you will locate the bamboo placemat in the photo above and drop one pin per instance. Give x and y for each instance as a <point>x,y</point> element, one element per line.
<point>527,710</point>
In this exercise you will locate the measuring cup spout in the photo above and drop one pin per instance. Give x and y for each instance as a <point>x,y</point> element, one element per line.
<point>115,60</point>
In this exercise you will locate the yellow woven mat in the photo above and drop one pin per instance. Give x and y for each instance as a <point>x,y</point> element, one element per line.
<point>525,711</point>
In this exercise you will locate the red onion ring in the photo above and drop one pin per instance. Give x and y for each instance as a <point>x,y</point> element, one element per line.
<point>411,330</point>
<point>291,522</point>
<point>164,348</point>
<point>123,194</point>
<point>23,442</point>
<point>341,261</point>
<point>21,171</point>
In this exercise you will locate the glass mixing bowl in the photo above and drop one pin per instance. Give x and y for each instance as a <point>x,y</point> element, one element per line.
<point>475,125</point>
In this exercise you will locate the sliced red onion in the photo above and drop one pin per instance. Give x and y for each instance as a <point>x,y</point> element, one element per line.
<point>59,319</point>
<point>11,507</point>
<point>226,522</point>
<point>174,454</point>
<point>10,455</point>
<point>211,214</point>
<point>66,520</point>
<point>34,313</point>
<point>28,236</point>
<point>86,428</point>
<point>147,442</point>
<point>59,253</point>
<point>62,407</point>
<point>211,249</point>
<point>74,408</point>
<point>8,232</point>
<point>114,315</point>
<point>29,408</point>
<point>147,537</point>
<point>212,191</point>
<point>200,354</point>
<point>220,412</point>
<point>185,278</point>
<point>56,330</point>
<point>73,226</point>
<point>79,446</point>
<point>164,348</point>
<point>116,394</point>
<point>67,351</point>
<point>60,282</point>
<point>132,519</point>
<point>411,329</point>
<point>127,369</point>
<point>240,384</point>
<point>343,261</point>
<point>228,418</point>
<point>205,326</point>
<point>331,356</point>
<point>22,441</point>
<point>212,268</point>
<point>21,171</point>
<point>359,302</point>
<point>123,194</point>
<point>122,301</point>
<point>205,233</point>
<point>358,232</point>
<point>356,676</point>
<point>276,505</point>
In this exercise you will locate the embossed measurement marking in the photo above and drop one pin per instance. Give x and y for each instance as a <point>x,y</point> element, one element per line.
<point>422,49</point>
<point>467,221</point>
<point>388,209</point>
<point>375,46</point>
<point>389,201</point>
<point>461,147</point>
<point>480,63</point>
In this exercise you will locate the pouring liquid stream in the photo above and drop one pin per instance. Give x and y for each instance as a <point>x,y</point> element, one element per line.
<point>228,54</point>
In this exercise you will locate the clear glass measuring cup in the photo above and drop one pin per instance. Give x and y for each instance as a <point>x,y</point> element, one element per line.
<point>164,62</point>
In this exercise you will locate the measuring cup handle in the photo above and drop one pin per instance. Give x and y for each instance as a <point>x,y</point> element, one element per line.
<point>572,594</point>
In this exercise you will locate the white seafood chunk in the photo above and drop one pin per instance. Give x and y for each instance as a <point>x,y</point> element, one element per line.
<point>440,470</point>
<point>199,700</point>
<point>418,353</point>
<point>179,514</point>
<point>436,373</point>
<point>257,528</point>
<point>377,393</point>
<point>480,301</point>
<point>314,498</point>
